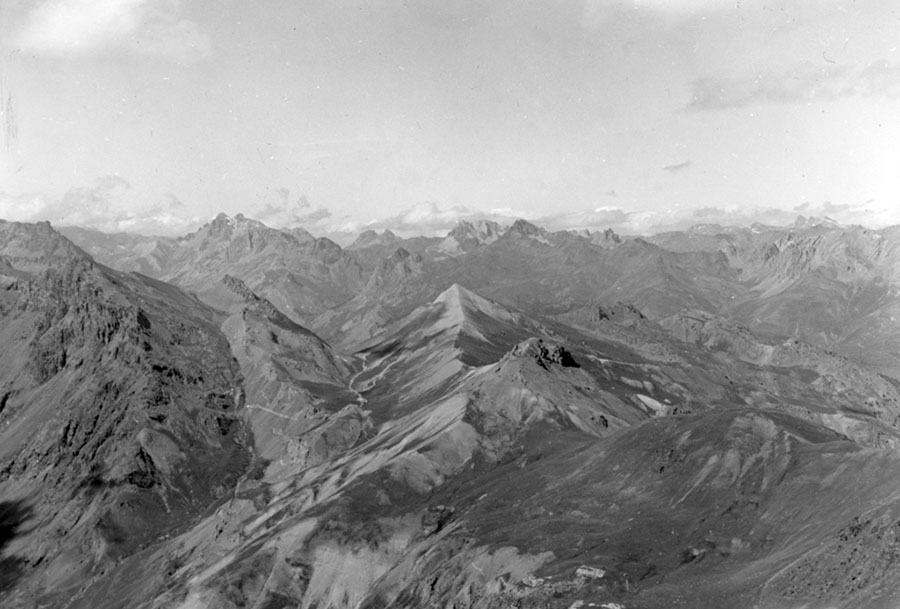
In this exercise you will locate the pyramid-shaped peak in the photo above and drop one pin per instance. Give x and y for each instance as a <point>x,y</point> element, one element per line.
<point>455,294</point>
<point>463,302</point>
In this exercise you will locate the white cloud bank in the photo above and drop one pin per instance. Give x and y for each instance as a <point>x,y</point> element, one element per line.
<point>111,205</point>
<point>77,28</point>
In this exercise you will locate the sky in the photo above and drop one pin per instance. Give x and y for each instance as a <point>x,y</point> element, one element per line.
<point>153,116</point>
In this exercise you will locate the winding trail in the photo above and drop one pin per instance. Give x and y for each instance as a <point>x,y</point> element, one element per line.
<point>359,397</point>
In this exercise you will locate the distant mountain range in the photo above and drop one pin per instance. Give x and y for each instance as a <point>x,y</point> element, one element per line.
<point>501,417</point>
<point>817,281</point>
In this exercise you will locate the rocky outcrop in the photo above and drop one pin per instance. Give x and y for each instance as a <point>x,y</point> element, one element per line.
<point>545,354</point>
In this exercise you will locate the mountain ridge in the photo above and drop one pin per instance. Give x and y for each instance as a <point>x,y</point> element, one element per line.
<point>537,419</point>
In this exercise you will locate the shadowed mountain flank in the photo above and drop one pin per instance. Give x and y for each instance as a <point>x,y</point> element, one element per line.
<point>120,399</point>
<point>14,516</point>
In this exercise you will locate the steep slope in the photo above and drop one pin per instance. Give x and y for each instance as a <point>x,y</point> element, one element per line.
<point>295,387</point>
<point>553,474</point>
<point>118,422</point>
<point>300,538</point>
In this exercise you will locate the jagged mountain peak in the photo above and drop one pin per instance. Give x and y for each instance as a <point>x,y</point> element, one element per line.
<point>484,231</point>
<point>467,236</point>
<point>526,228</point>
<point>611,235</point>
<point>607,238</point>
<point>226,228</point>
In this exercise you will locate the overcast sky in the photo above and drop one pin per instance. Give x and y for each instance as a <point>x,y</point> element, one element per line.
<point>153,115</point>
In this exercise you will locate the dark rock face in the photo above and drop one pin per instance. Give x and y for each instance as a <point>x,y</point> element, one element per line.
<point>619,312</point>
<point>545,354</point>
<point>435,518</point>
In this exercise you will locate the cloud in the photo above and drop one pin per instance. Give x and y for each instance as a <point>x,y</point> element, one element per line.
<point>427,218</point>
<point>801,83</point>
<point>77,28</point>
<point>865,213</point>
<point>280,209</point>
<point>826,208</point>
<point>678,167</point>
<point>621,220</point>
<point>431,219</point>
<point>708,212</point>
<point>110,205</point>
<point>636,222</point>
